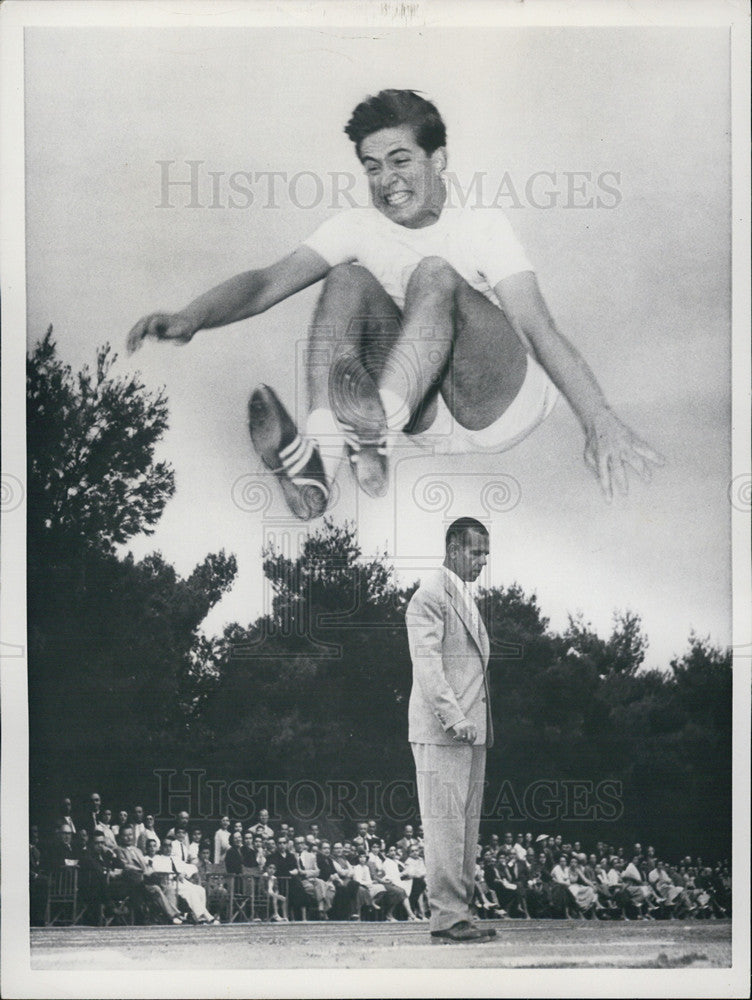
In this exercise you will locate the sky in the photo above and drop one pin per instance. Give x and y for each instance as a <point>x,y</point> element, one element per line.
<point>608,148</point>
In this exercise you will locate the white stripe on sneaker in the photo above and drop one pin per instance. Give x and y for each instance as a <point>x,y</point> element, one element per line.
<point>291,448</point>
<point>294,467</point>
<point>302,481</point>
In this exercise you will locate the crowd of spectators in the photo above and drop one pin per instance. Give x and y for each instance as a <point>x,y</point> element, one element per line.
<point>186,873</point>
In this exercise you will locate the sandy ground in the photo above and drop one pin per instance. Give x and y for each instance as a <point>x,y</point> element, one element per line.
<point>519,944</point>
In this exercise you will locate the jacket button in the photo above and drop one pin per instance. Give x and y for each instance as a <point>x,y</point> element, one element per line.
<point>483,700</point>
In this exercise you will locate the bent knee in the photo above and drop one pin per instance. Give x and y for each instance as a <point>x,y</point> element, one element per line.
<point>347,277</point>
<point>435,270</point>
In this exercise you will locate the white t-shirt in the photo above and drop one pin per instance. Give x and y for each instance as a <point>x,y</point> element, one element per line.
<point>478,243</point>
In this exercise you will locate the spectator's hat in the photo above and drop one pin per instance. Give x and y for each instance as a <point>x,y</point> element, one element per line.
<point>540,837</point>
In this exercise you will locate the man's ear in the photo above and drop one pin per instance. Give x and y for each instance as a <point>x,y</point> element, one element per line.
<point>439,159</point>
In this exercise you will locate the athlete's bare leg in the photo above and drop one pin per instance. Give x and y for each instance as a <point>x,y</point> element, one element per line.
<point>354,318</point>
<point>354,329</point>
<point>454,339</point>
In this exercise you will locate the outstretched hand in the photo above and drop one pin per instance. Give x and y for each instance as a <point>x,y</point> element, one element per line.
<point>160,326</point>
<point>610,447</point>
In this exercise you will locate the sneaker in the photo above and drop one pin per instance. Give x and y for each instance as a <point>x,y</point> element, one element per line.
<point>294,460</point>
<point>357,406</point>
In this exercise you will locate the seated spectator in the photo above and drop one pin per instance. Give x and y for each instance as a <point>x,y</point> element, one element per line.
<point>135,869</point>
<point>393,871</point>
<point>192,894</point>
<point>350,897</point>
<point>407,840</point>
<point>65,818</point>
<point>217,896</point>
<point>485,899</point>
<point>519,873</point>
<point>637,894</point>
<point>314,833</point>
<point>674,897</point>
<point>80,844</point>
<point>270,888</point>
<point>194,846</point>
<point>148,833</point>
<point>286,869</point>
<point>61,853</point>
<point>539,887</point>
<point>583,890</point>
<point>499,876</point>
<point>248,852</point>
<point>393,893</point>
<point>327,873</point>
<point>234,854</point>
<point>414,870</point>
<point>560,877</point>
<point>262,827</point>
<point>122,821</point>
<point>308,872</point>
<point>519,849</point>
<point>603,887</point>
<point>91,811</point>
<point>179,841</point>
<point>259,852</point>
<point>138,823</point>
<point>98,883</point>
<point>222,840</point>
<point>109,834</point>
<point>363,878</point>
<point>182,822</point>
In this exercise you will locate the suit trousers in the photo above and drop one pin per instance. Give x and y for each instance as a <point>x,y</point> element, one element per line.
<point>450,794</point>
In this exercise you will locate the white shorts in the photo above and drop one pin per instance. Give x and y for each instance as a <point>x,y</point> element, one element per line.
<point>532,404</point>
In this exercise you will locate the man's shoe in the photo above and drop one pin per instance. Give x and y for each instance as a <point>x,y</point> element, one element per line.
<point>357,406</point>
<point>460,933</point>
<point>295,461</point>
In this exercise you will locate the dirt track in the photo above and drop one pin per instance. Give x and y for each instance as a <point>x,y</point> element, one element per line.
<point>520,944</point>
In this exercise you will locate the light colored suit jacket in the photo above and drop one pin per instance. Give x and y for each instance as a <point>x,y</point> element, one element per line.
<point>450,662</point>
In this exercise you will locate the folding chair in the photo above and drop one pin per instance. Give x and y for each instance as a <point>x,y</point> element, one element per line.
<point>63,906</point>
<point>241,890</point>
<point>218,891</point>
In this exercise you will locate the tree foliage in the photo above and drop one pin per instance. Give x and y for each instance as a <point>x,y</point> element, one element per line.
<point>92,478</point>
<point>116,660</point>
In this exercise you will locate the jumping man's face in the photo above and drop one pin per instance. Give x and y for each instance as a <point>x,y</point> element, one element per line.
<point>404,180</point>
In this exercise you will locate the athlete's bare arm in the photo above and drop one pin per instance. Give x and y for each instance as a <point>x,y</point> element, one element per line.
<point>610,446</point>
<point>238,298</point>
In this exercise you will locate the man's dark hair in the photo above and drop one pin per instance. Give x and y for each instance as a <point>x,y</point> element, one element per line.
<point>392,108</point>
<point>458,530</point>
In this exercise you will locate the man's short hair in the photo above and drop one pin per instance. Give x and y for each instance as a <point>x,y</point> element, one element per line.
<point>392,108</point>
<point>458,530</point>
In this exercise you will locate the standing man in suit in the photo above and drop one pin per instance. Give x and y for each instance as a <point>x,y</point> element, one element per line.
<point>450,727</point>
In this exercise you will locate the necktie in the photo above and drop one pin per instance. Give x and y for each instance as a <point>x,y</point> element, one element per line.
<point>472,608</point>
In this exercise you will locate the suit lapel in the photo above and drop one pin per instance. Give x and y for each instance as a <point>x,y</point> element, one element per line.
<point>479,635</point>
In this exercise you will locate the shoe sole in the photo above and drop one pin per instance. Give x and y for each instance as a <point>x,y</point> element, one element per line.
<point>448,940</point>
<point>357,406</point>
<point>270,425</point>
